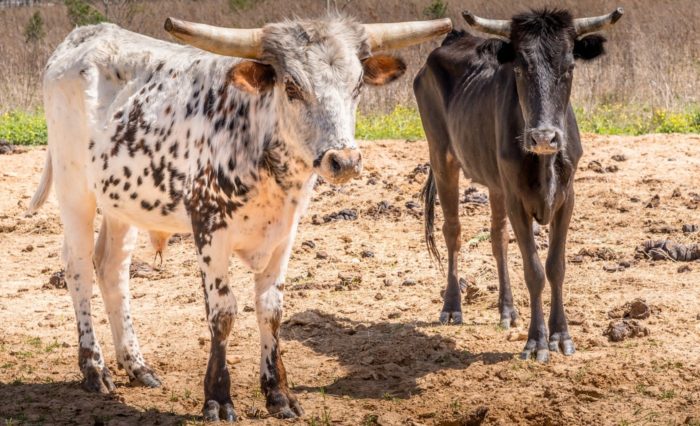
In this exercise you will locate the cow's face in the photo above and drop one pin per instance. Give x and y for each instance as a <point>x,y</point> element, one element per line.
<point>542,53</point>
<point>317,73</point>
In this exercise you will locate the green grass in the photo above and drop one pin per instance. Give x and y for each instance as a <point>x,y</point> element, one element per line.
<point>621,119</point>
<point>616,119</point>
<point>401,123</point>
<point>29,128</point>
<point>23,128</point>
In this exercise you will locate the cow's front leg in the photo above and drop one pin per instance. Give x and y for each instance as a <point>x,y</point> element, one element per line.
<point>269,285</point>
<point>214,251</point>
<point>537,343</point>
<point>559,337</point>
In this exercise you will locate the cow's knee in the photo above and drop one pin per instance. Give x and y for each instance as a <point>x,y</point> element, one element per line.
<point>452,231</point>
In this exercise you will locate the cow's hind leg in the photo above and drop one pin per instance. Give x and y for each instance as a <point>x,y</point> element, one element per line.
<point>269,285</point>
<point>446,170</point>
<point>499,247</point>
<point>559,337</point>
<point>77,218</point>
<point>537,342</point>
<point>214,251</point>
<point>112,259</point>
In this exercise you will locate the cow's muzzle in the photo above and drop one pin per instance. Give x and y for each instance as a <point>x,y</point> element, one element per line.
<point>543,140</point>
<point>340,165</point>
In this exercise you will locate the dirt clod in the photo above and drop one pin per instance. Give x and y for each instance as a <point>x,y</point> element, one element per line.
<point>689,228</point>
<point>7,148</point>
<point>383,209</point>
<point>619,157</point>
<point>588,393</point>
<point>636,309</point>
<point>669,250</point>
<point>473,196</point>
<point>57,280</point>
<point>598,253</point>
<point>139,269</point>
<point>618,331</point>
<point>654,202</point>
<point>344,214</point>
<point>596,166</point>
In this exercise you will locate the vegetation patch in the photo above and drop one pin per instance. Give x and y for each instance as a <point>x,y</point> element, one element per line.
<point>401,123</point>
<point>29,128</point>
<point>616,119</point>
<point>23,128</point>
<point>623,119</point>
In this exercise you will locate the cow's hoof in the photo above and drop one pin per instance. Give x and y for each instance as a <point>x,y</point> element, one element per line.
<point>215,412</point>
<point>98,380</point>
<point>509,318</point>
<point>454,318</point>
<point>564,343</point>
<point>532,352</point>
<point>284,406</point>
<point>146,377</point>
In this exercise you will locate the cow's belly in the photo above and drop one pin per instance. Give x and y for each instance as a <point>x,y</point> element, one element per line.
<point>142,191</point>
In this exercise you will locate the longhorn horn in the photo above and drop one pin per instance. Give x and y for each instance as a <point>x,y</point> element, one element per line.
<point>403,34</point>
<point>597,23</point>
<point>497,27</point>
<point>242,43</point>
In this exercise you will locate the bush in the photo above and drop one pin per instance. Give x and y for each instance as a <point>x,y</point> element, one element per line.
<point>34,31</point>
<point>436,9</point>
<point>82,13</point>
<point>21,128</point>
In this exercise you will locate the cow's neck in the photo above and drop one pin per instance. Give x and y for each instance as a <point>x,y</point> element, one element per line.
<point>260,153</point>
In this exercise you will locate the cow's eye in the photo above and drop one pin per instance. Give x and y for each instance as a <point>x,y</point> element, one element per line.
<point>293,92</point>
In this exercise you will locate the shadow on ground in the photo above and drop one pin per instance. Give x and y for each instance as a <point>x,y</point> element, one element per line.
<point>382,359</point>
<point>54,403</point>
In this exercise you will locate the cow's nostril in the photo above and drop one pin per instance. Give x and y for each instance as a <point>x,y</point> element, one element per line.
<point>335,165</point>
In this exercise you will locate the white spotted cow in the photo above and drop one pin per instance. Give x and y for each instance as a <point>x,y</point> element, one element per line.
<point>225,145</point>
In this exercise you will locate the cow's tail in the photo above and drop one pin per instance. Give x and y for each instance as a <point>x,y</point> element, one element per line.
<point>42,192</point>
<point>428,195</point>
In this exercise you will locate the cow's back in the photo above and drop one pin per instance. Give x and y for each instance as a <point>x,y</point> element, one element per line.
<point>460,91</point>
<point>126,119</point>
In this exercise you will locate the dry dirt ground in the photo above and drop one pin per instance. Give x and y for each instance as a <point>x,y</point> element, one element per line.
<point>361,340</point>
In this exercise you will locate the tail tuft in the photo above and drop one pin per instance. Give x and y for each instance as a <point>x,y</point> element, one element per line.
<point>42,192</point>
<point>428,195</point>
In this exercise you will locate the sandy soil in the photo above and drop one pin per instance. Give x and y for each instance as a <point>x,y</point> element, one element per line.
<point>361,339</point>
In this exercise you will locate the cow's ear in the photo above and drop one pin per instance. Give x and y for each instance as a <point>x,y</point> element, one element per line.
<point>252,77</point>
<point>505,53</point>
<point>382,69</point>
<point>589,47</point>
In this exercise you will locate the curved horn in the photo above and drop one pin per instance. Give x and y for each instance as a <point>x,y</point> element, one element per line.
<point>497,27</point>
<point>597,23</point>
<point>404,34</point>
<point>242,43</point>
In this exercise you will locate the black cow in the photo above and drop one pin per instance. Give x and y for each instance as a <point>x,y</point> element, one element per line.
<point>498,109</point>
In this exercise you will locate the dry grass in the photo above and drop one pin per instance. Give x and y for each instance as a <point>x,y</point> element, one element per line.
<point>653,58</point>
